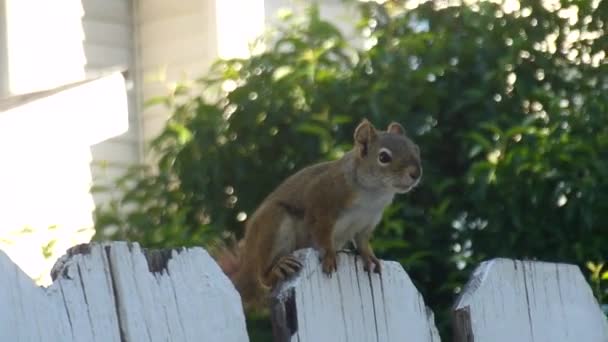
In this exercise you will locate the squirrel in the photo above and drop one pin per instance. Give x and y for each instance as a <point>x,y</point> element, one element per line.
<point>324,206</point>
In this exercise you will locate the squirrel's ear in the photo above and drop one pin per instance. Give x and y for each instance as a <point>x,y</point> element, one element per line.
<point>395,127</point>
<point>364,134</point>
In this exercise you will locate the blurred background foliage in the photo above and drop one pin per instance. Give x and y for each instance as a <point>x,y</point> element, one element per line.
<point>508,102</point>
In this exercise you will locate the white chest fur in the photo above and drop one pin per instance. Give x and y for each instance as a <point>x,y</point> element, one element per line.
<point>364,214</point>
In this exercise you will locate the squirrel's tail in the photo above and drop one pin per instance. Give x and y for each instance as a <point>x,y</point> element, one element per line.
<point>230,259</point>
<point>227,255</point>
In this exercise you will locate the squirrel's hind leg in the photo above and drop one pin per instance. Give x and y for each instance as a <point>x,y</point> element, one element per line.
<point>282,269</point>
<point>274,243</point>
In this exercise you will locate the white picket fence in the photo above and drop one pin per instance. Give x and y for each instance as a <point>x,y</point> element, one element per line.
<point>120,292</point>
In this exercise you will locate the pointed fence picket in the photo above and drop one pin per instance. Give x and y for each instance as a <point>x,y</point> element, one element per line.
<point>118,291</point>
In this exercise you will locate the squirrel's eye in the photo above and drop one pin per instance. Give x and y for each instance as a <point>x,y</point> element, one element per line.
<point>384,157</point>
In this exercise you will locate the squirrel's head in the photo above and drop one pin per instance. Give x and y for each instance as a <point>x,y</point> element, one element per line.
<point>387,159</point>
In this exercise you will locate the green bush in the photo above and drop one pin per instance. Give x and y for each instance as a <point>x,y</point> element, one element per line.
<point>510,113</point>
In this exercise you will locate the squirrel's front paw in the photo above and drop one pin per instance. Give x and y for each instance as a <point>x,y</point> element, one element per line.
<point>329,263</point>
<point>370,262</point>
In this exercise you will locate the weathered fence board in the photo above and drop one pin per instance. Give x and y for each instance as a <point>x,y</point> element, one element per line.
<point>22,305</point>
<point>87,294</point>
<point>352,305</point>
<point>118,292</point>
<point>525,301</point>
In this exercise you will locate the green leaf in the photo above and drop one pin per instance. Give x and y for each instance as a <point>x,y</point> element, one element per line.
<point>184,135</point>
<point>481,140</point>
<point>281,72</point>
<point>97,188</point>
<point>312,128</point>
<point>593,267</point>
<point>47,249</point>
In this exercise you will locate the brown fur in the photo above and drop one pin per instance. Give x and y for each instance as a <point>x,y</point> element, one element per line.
<point>308,207</point>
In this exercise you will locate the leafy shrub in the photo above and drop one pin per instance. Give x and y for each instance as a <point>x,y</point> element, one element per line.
<point>510,109</point>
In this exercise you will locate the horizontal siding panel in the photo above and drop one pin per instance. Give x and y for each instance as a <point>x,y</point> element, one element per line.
<point>183,26</point>
<point>129,137</point>
<point>188,71</point>
<point>115,151</point>
<point>153,125</point>
<point>154,87</point>
<point>107,173</point>
<point>178,51</point>
<point>100,56</point>
<point>102,198</point>
<point>115,11</point>
<point>105,177</point>
<point>108,34</point>
<point>150,91</point>
<point>155,113</point>
<point>151,10</point>
<point>172,73</point>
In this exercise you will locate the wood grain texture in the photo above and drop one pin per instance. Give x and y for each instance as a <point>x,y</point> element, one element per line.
<point>352,305</point>
<point>119,292</point>
<point>526,301</point>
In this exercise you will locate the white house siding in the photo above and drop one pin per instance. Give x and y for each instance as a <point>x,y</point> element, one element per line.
<point>108,44</point>
<point>77,135</point>
<point>43,44</point>
<point>71,41</point>
<point>176,40</point>
<point>46,156</point>
<point>179,40</point>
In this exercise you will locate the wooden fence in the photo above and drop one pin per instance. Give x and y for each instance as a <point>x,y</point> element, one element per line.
<point>121,292</point>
